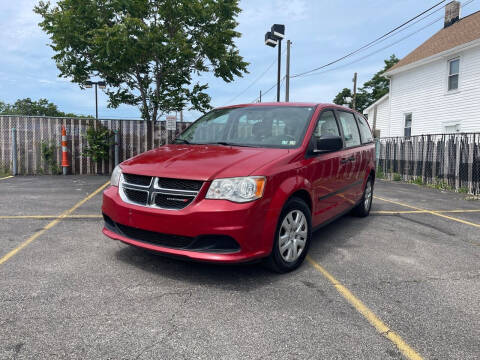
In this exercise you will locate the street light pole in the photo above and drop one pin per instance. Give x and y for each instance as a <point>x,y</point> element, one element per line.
<point>273,38</point>
<point>96,102</point>
<point>287,74</point>
<point>279,68</point>
<point>102,85</point>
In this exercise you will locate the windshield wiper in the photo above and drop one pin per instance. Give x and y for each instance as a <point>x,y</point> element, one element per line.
<point>182,141</point>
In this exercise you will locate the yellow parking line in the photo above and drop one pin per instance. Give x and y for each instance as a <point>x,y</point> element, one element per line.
<point>52,224</point>
<point>429,212</point>
<point>6,177</point>
<point>392,212</point>
<point>457,211</point>
<point>86,216</point>
<point>368,314</point>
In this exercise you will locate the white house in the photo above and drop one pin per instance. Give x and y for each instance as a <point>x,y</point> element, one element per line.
<point>436,88</point>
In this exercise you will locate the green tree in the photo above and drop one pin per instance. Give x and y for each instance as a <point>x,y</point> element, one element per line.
<point>345,97</point>
<point>30,107</point>
<point>379,85</point>
<point>151,53</point>
<point>371,91</point>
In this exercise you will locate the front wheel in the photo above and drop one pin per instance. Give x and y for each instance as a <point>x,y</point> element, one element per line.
<point>363,208</point>
<point>292,238</point>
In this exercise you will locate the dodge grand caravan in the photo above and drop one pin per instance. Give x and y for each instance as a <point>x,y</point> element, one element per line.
<point>245,182</point>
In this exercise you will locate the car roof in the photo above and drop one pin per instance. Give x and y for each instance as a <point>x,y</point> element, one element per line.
<point>279,104</point>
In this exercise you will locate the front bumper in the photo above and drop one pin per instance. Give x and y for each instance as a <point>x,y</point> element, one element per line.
<point>247,224</point>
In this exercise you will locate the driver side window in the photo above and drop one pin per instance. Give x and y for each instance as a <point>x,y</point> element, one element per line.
<point>326,125</point>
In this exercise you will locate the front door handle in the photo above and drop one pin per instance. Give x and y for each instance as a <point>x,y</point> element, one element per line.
<point>346,160</point>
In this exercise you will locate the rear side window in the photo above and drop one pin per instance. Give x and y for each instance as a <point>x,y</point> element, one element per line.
<point>350,129</point>
<point>326,125</point>
<point>365,132</point>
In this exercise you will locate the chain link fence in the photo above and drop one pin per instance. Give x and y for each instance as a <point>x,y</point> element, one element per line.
<point>5,150</point>
<point>444,161</point>
<point>32,145</point>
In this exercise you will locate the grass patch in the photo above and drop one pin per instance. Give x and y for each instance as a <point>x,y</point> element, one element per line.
<point>4,171</point>
<point>417,180</point>
<point>379,173</point>
<point>439,184</point>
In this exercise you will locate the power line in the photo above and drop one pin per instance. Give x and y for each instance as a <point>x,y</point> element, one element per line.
<point>253,82</point>
<point>369,44</point>
<point>385,47</point>
<point>268,90</point>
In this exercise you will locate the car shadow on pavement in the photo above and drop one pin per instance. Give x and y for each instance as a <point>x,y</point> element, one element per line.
<point>340,234</point>
<point>232,277</point>
<point>246,276</point>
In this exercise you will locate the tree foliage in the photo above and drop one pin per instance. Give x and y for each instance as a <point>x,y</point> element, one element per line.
<point>371,91</point>
<point>151,53</point>
<point>30,107</point>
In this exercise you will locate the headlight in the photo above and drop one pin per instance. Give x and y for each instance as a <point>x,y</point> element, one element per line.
<point>115,179</point>
<point>241,189</point>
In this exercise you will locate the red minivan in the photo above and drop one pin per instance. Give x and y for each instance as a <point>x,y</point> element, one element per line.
<point>245,182</point>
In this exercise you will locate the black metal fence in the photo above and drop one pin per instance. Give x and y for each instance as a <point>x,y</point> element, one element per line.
<point>445,160</point>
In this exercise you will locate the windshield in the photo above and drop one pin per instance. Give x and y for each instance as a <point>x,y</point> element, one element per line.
<point>269,126</point>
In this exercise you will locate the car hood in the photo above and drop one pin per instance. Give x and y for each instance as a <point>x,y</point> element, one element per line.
<point>201,162</point>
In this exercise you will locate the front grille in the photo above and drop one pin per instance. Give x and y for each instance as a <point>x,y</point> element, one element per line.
<point>168,201</point>
<point>179,184</point>
<point>151,237</point>
<point>140,180</point>
<point>164,193</point>
<point>136,196</point>
<point>203,243</point>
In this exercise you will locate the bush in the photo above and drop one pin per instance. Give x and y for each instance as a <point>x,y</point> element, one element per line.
<point>397,177</point>
<point>99,141</point>
<point>48,151</point>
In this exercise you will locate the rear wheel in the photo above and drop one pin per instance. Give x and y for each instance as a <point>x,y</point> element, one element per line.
<point>363,208</point>
<point>292,238</point>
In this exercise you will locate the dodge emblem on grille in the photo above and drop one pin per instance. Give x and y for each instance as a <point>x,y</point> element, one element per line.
<point>177,199</point>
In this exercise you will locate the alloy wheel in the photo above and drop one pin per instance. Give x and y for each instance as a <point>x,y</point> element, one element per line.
<point>293,235</point>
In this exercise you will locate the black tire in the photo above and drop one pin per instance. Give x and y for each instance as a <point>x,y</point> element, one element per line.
<point>276,261</point>
<point>363,207</point>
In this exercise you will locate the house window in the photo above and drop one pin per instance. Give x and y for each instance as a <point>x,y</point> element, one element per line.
<point>453,71</point>
<point>408,125</point>
<point>452,129</point>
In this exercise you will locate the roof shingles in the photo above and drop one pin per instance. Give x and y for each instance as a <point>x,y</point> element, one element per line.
<point>463,31</point>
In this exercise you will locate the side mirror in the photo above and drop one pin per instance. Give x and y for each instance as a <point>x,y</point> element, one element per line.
<point>328,143</point>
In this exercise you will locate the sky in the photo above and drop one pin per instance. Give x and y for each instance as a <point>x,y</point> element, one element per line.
<point>320,31</point>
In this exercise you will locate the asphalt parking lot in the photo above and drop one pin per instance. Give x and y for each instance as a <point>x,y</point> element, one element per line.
<point>402,283</point>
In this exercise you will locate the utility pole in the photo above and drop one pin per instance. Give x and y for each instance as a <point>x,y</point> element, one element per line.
<point>287,82</point>
<point>374,127</point>
<point>260,96</point>
<point>354,91</point>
